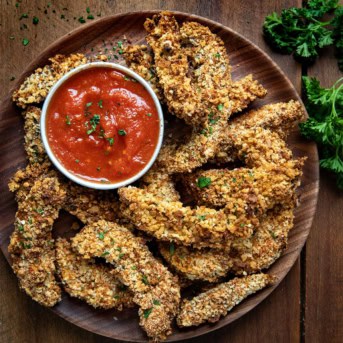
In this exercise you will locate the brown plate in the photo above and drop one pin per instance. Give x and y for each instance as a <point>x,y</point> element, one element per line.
<point>245,58</point>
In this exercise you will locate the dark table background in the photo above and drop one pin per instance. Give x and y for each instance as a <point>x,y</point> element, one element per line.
<point>308,304</point>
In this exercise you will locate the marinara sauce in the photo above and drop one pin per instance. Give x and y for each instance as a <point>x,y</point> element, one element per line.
<point>102,125</point>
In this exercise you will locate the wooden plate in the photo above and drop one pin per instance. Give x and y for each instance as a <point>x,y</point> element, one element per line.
<point>245,58</point>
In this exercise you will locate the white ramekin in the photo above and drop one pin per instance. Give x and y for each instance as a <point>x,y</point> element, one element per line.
<point>57,163</point>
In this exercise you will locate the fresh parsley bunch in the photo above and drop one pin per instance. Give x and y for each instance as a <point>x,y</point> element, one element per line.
<point>325,124</point>
<point>299,31</point>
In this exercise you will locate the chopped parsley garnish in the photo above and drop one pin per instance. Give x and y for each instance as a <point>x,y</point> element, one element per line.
<point>77,161</point>
<point>234,179</point>
<point>20,228</point>
<point>82,20</point>
<point>111,141</point>
<point>90,16</point>
<point>121,255</point>
<point>25,41</point>
<point>133,268</point>
<point>68,122</point>
<point>100,103</point>
<point>98,168</point>
<point>203,182</point>
<point>40,211</point>
<point>122,133</point>
<point>94,121</point>
<point>201,217</point>
<point>156,302</point>
<point>145,280</point>
<point>101,235</point>
<point>88,10</point>
<point>89,104</point>
<point>35,20</point>
<point>105,253</point>
<point>116,296</point>
<point>147,312</point>
<point>217,55</point>
<point>171,249</point>
<point>120,44</point>
<point>149,114</point>
<point>24,15</point>
<point>212,120</point>
<point>220,107</point>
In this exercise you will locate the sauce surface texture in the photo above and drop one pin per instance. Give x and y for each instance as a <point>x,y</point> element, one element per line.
<point>102,125</point>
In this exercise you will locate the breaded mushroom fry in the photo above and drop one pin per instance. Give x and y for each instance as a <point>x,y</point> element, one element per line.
<point>84,279</point>
<point>218,301</point>
<point>155,289</point>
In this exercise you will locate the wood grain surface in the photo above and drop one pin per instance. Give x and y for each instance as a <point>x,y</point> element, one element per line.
<point>300,308</point>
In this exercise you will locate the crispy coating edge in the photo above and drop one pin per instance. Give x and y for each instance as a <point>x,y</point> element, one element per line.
<point>32,247</point>
<point>247,256</point>
<point>155,289</point>
<point>218,301</point>
<point>89,281</point>
<point>261,188</point>
<point>36,87</point>
<point>171,221</point>
<point>245,91</point>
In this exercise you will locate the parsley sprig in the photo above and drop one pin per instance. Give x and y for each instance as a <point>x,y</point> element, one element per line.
<point>325,124</point>
<point>300,31</point>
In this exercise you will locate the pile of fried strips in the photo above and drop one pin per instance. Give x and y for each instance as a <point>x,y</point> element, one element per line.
<point>236,227</point>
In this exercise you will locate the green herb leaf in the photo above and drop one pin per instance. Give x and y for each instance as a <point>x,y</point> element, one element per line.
<point>105,253</point>
<point>88,10</point>
<point>122,132</point>
<point>156,302</point>
<point>35,20</point>
<point>89,104</point>
<point>82,20</point>
<point>203,181</point>
<point>111,141</point>
<point>90,16</point>
<point>94,121</point>
<point>100,103</point>
<point>68,122</point>
<point>101,236</point>
<point>145,280</point>
<point>146,313</point>
<point>25,41</point>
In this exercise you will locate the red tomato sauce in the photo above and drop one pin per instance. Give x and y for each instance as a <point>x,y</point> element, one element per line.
<point>102,125</point>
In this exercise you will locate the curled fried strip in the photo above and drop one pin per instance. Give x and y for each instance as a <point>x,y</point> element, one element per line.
<point>280,117</point>
<point>96,284</point>
<point>194,264</point>
<point>36,87</point>
<point>32,247</point>
<point>33,144</point>
<point>140,60</point>
<point>90,205</point>
<point>261,188</point>
<point>245,91</point>
<point>155,289</point>
<point>172,67</point>
<point>171,221</point>
<point>247,256</point>
<point>218,301</point>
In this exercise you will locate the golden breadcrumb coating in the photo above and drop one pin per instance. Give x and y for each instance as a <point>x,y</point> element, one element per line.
<point>247,256</point>
<point>201,146</point>
<point>141,60</point>
<point>160,184</point>
<point>210,68</point>
<point>257,147</point>
<point>245,91</point>
<point>185,99</point>
<point>218,301</point>
<point>33,144</point>
<point>194,264</point>
<point>36,87</point>
<point>260,188</point>
<point>265,246</point>
<point>171,221</point>
<point>90,205</point>
<point>279,117</point>
<point>32,247</point>
<point>84,279</point>
<point>22,181</point>
<point>156,291</point>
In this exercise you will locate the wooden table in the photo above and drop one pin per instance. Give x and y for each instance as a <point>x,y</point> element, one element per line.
<point>308,304</point>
